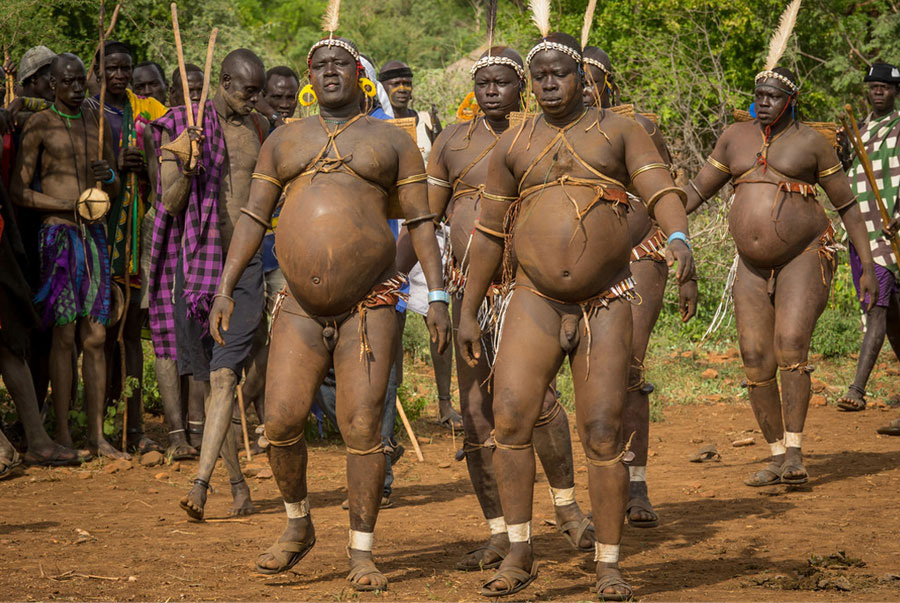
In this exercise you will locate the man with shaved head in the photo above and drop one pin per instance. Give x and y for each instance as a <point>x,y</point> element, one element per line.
<point>201,198</point>
<point>53,168</point>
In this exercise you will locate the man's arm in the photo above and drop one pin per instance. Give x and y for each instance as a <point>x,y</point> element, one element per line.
<point>488,242</point>
<point>248,233</point>
<point>24,172</point>
<point>420,225</point>
<point>175,184</point>
<point>439,186</point>
<point>714,174</point>
<point>836,185</point>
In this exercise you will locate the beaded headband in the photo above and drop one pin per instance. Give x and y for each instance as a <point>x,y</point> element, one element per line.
<point>492,60</point>
<point>329,41</point>
<point>764,75</point>
<point>597,64</point>
<point>547,45</point>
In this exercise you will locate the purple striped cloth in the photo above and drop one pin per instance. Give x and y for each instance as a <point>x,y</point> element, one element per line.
<point>194,234</point>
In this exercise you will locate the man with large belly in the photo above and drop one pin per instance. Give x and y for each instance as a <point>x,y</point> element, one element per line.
<point>201,202</point>
<point>650,271</point>
<point>556,186</point>
<point>457,171</point>
<point>786,256</point>
<point>336,169</point>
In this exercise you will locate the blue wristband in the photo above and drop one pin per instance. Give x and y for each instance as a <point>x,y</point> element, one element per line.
<point>438,295</point>
<point>679,236</point>
<point>112,177</point>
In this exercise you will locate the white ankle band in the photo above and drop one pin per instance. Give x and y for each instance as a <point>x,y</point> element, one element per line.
<point>497,525</point>
<point>298,509</point>
<point>361,541</point>
<point>607,553</point>
<point>777,447</point>
<point>562,496</point>
<point>520,532</point>
<point>637,474</point>
<point>793,439</point>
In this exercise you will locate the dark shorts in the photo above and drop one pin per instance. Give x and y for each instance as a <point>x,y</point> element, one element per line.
<point>198,354</point>
<point>887,283</point>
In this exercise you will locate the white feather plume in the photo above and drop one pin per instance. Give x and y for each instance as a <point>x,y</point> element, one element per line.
<point>778,43</point>
<point>332,16</point>
<point>588,21</point>
<point>540,14</point>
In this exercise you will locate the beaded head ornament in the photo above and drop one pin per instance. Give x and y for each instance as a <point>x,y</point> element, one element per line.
<point>540,15</point>
<point>777,46</point>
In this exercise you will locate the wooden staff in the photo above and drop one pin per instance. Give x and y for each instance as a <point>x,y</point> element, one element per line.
<point>10,93</point>
<point>409,430</point>
<point>195,144</point>
<point>181,70</point>
<point>109,30</point>
<point>102,111</point>
<point>860,148</point>
<point>240,396</point>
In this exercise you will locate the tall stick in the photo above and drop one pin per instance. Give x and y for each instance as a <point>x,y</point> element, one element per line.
<point>240,394</point>
<point>207,71</point>
<point>10,93</point>
<point>409,430</point>
<point>102,118</point>
<point>181,70</point>
<point>109,30</point>
<point>860,148</point>
<point>132,182</point>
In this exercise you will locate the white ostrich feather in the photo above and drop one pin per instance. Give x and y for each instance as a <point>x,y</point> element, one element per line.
<point>332,16</point>
<point>778,43</point>
<point>540,14</point>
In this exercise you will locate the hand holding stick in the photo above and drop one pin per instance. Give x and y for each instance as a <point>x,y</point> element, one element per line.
<point>863,156</point>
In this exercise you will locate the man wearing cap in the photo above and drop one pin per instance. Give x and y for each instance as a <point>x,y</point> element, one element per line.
<point>880,132</point>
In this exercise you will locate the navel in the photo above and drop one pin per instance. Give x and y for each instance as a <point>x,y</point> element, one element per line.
<point>316,280</point>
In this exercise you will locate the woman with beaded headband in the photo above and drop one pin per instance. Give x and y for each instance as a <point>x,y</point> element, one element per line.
<point>457,172</point>
<point>556,189</point>
<point>786,250</point>
<point>650,270</point>
<point>337,253</point>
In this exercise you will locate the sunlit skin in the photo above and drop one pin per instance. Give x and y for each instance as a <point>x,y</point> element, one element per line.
<point>570,260</point>
<point>650,278</point>
<point>61,159</point>
<point>148,81</point>
<point>779,292</point>
<point>346,249</point>
<point>497,90</point>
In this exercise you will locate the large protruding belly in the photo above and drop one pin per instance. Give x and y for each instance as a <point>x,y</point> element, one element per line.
<point>770,233</point>
<point>568,259</point>
<point>334,244</point>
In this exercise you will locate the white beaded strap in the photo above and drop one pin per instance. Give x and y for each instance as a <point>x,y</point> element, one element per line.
<point>545,45</point>
<point>597,64</point>
<point>764,75</point>
<point>332,42</point>
<point>505,61</point>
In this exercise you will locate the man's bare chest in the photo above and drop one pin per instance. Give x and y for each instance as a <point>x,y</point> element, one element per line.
<point>367,157</point>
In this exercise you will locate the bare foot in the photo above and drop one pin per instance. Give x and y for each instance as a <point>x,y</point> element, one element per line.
<point>179,449</point>
<point>52,454</point>
<point>277,559</point>
<point>105,449</point>
<point>571,514</point>
<point>143,445</point>
<point>610,584</point>
<point>242,504</point>
<point>364,576</point>
<point>640,511</point>
<point>195,501</point>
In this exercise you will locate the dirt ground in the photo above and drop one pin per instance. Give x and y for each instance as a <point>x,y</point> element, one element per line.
<point>85,533</point>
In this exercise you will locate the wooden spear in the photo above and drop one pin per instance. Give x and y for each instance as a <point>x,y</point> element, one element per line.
<point>109,30</point>
<point>863,156</point>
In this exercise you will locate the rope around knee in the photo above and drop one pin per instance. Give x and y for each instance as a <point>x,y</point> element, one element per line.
<point>802,366</point>
<point>547,418</point>
<point>615,459</point>
<point>501,446</point>
<point>282,443</point>
<point>750,384</point>
<point>378,448</point>
<point>638,366</point>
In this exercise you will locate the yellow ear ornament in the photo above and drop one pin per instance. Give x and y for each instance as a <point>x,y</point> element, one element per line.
<point>367,86</point>
<point>307,96</point>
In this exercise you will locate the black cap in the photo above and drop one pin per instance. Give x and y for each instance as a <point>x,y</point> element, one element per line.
<point>882,72</point>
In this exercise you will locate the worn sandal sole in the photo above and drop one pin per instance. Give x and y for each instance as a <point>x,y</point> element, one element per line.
<point>294,560</point>
<point>532,576</point>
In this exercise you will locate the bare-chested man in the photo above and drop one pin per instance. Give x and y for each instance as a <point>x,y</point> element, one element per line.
<point>201,204</point>
<point>556,185</point>
<point>649,269</point>
<point>457,171</point>
<point>56,150</point>
<point>338,257</point>
<point>786,254</point>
